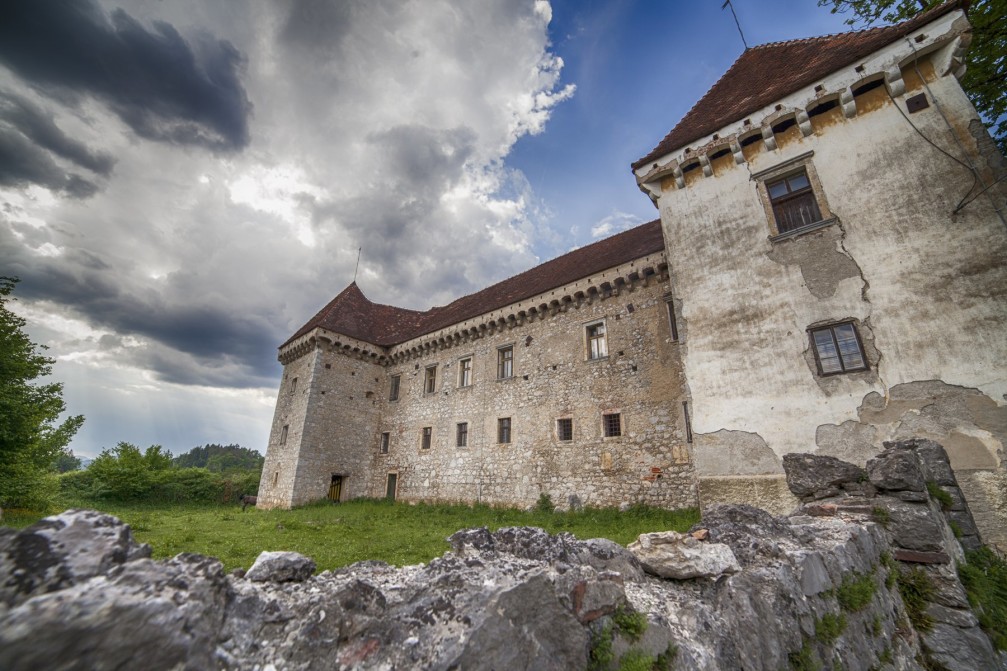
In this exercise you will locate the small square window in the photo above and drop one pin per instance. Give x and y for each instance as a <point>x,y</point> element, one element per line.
<point>793,200</point>
<point>505,362</point>
<point>430,380</point>
<point>428,433</point>
<point>564,429</point>
<point>503,430</point>
<point>393,388</point>
<point>463,434</point>
<point>465,372</point>
<point>838,349</point>
<point>283,434</point>
<point>612,424</point>
<point>385,438</point>
<point>597,345</point>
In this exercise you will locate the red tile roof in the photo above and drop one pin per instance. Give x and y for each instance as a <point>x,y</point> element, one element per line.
<point>352,314</point>
<point>766,73</point>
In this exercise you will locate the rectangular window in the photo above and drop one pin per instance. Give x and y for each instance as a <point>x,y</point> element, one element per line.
<point>385,438</point>
<point>564,429</point>
<point>503,430</point>
<point>505,362</point>
<point>463,434</point>
<point>794,203</point>
<point>430,380</point>
<point>465,372</point>
<point>838,349</point>
<point>428,433</point>
<point>293,385</point>
<point>671,319</point>
<point>612,424</point>
<point>393,388</point>
<point>283,434</point>
<point>597,347</point>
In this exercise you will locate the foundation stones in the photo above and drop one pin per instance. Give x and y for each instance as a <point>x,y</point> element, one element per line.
<point>812,476</point>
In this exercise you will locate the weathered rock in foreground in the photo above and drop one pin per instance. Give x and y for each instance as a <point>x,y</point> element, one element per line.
<point>517,598</point>
<point>668,554</point>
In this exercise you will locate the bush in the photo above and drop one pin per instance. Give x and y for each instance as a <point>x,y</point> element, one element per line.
<point>77,485</point>
<point>917,590</point>
<point>855,593</point>
<point>186,485</point>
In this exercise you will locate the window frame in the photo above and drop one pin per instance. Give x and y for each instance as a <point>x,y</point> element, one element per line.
<point>465,372</point>
<point>607,425</point>
<point>831,329</point>
<point>504,430</point>
<point>384,442</point>
<point>568,421</point>
<point>505,362</point>
<point>430,380</point>
<point>590,340</point>
<point>771,176</point>
<point>427,439</point>
<point>462,434</point>
<point>394,387</point>
<point>283,434</point>
<point>293,385</point>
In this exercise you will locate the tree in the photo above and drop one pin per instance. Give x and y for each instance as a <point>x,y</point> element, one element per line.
<point>66,462</point>
<point>124,473</point>
<point>985,81</point>
<point>220,458</point>
<point>30,438</point>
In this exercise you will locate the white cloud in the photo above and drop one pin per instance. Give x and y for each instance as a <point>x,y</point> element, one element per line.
<point>615,223</point>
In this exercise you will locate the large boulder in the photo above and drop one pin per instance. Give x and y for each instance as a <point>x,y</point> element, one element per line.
<point>281,567</point>
<point>897,470</point>
<point>63,550</point>
<point>813,476</point>
<point>669,554</point>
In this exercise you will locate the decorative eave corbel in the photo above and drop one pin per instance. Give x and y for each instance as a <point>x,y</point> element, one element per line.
<point>768,137</point>
<point>848,103</point>
<point>893,80</point>
<point>739,156</point>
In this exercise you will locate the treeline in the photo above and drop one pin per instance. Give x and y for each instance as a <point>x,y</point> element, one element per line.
<point>127,474</point>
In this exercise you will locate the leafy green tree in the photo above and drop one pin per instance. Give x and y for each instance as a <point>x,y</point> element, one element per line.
<point>220,458</point>
<point>985,82</point>
<point>66,462</point>
<point>30,437</point>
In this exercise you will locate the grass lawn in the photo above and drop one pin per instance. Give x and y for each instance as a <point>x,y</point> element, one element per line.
<point>335,535</point>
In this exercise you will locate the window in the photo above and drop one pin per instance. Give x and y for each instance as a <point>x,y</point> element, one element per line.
<point>465,372</point>
<point>597,347</point>
<point>385,437</point>
<point>793,201</point>
<point>463,434</point>
<point>564,429</point>
<point>293,385</point>
<point>393,388</point>
<point>428,433</point>
<point>283,434</point>
<point>505,362</point>
<point>503,430</point>
<point>612,424</point>
<point>430,380</point>
<point>838,349</point>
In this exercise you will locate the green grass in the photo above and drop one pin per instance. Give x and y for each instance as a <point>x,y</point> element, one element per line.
<point>335,535</point>
<point>985,579</point>
<point>856,592</point>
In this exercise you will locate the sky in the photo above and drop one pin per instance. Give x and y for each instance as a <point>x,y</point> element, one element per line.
<point>183,184</point>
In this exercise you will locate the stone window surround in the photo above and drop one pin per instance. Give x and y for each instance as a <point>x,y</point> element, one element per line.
<point>780,170</point>
<point>504,430</point>
<point>293,385</point>
<point>603,339</point>
<point>427,438</point>
<point>430,380</point>
<point>394,387</point>
<point>462,434</point>
<point>860,347</point>
<point>384,442</point>
<point>618,424</point>
<point>462,371</point>
<point>502,362</point>
<point>283,434</point>
<point>560,430</point>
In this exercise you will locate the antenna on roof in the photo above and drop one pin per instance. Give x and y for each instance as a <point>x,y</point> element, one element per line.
<point>358,264</point>
<point>727,3</point>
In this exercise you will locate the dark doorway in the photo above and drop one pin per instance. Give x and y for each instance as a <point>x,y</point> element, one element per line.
<point>393,479</point>
<point>335,488</point>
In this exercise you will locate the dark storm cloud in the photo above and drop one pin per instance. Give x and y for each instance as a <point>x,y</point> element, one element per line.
<point>23,163</point>
<point>425,158</point>
<point>165,88</point>
<point>38,125</point>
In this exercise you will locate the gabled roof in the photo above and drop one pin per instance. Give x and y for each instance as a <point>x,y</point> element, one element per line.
<point>352,314</point>
<point>766,73</point>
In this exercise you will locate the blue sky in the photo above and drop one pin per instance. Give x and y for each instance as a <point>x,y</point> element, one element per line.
<point>180,205</point>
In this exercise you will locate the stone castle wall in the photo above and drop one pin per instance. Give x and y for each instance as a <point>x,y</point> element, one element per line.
<point>553,378</point>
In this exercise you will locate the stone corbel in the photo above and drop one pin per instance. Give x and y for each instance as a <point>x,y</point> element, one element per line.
<point>707,168</point>
<point>739,157</point>
<point>768,137</point>
<point>804,123</point>
<point>679,177</point>
<point>848,103</point>
<point>894,81</point>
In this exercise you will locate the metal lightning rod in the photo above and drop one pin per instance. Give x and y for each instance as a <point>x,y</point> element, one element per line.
<point>727,3</point>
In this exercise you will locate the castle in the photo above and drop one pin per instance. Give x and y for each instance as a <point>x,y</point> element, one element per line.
<point>826,274</point>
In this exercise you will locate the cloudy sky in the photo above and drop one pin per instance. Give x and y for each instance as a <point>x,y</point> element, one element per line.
<point>183,184</point>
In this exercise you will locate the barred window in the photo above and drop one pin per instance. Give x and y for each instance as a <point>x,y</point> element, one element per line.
<point>612,424</point>
<point>564,429</point>
<point>428,433</point>
<point>503,430</point>
<point>463,434</point>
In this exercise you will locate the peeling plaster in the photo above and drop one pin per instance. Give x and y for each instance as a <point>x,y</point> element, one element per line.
<point>823,262</point>
<point>727,452</point>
